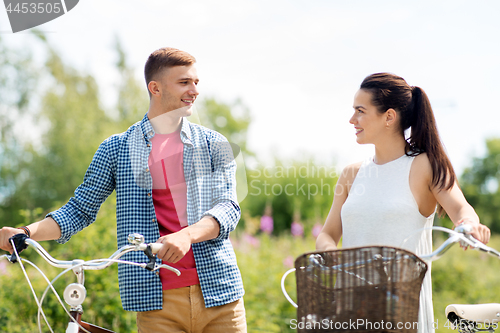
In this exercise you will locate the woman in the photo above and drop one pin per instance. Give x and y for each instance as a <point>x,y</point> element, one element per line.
<point>393,195</point>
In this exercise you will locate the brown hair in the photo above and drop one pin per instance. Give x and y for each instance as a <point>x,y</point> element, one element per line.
<point>163,58</point>
<point>411,102</point>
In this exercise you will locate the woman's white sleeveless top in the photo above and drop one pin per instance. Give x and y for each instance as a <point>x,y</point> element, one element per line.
<point>381,210</point>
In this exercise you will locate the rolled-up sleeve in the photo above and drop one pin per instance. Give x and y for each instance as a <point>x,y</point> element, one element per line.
<point>225,208</point>
<point>81,210</point>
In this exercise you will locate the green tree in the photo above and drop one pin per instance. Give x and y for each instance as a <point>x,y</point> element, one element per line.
<point>72,124</point>
<point>69,120</point>
<point>231,120</point>
<point>297,190</point>
<point>480,184</point>
<point>17,87</point>
<point>132,101</point>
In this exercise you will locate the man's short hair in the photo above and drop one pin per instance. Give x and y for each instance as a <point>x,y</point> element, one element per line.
<point>163,58</point>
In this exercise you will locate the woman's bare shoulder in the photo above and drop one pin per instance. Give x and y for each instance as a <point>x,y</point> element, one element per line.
<point>421,167</point>
<point>422,163</point>
<point>350,171</point>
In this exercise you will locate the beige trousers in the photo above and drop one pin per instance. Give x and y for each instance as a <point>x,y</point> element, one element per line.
<point>184,311</point>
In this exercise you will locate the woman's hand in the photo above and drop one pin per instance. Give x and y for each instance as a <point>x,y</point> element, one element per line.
<point>479,231</point>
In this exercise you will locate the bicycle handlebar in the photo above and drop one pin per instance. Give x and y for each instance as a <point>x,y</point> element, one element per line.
<point>21,241</point>
<point>137,244</point>
<point>461,235</point>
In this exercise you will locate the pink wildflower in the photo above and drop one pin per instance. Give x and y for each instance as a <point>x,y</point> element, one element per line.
<point>251,240</point>
<point>316,230</point>
<point>266,224</point>
<point>3,267</point>
<point>288,261</point>
<point>297,229</point>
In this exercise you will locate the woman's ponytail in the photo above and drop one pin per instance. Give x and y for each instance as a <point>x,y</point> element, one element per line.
<point>425,138</point>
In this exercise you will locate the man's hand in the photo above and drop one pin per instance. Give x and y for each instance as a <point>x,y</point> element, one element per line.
<point>175,246</point>
<point>5,234</point>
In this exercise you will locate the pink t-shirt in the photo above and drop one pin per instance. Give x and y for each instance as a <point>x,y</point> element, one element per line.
<point>170,201</point>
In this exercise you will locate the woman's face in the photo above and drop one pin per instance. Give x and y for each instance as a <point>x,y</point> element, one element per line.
<point>368,122</point>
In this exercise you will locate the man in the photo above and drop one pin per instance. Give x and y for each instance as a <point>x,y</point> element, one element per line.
<point>175,184</point>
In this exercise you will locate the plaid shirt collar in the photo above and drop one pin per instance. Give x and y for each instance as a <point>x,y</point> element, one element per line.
<point>149,132</point>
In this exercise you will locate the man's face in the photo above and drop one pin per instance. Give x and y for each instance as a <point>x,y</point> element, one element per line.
<point>178,86</point>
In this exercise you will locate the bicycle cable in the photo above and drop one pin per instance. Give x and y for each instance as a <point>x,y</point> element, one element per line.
<point>36,299</point>
<point>51,287</point>
<point>51,283</point>
<point>38,303</point>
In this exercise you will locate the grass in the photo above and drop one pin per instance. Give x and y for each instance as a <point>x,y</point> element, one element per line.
<point>459,277</point>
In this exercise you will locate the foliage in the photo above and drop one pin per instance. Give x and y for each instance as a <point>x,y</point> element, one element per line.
<point>68,123</point>
<point>458,277</point>
<point>17,84</point>
<point>102,306</point>
<point>480,184</point>
<point>263,261</point>
<point>132,101</point>
<point>300,191</point>
<point>70,139</point>
<point>231,120</point>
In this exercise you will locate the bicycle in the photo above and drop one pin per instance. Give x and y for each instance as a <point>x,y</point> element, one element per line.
<point>378,288</point>
<point>75,293</point>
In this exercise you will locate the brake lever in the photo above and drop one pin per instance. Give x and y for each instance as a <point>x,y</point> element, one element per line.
<point>152,258</point>
<point>19,244</point>
<point>152,265</point>
<point>465,230</point>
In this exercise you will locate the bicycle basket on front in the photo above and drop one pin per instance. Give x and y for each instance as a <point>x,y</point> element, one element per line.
<point>369,289</point>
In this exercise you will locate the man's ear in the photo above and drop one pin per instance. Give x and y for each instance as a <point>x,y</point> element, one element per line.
<point>154,88</point>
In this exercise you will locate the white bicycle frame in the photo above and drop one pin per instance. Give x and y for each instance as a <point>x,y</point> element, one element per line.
<point>75,293</point>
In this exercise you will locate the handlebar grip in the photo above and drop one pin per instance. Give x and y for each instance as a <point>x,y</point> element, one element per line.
<point>155,247</point>
<point>464,228</point>
<point>19,244</point>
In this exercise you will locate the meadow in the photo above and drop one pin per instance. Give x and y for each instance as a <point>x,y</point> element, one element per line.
<point>460,276</point>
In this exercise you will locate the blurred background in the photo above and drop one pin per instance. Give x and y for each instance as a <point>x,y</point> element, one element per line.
<point>278,79</point>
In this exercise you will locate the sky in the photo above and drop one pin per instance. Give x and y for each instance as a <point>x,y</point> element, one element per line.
<point>297,64</point>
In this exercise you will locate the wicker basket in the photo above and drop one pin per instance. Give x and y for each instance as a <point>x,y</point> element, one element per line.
<point>369,289</point>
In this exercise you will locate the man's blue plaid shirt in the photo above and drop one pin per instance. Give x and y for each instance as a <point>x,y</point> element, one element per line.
<point>121,164</point>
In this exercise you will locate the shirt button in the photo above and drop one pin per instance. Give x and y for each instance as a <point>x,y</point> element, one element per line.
<point>154,220</point>
<point>149,194</point>
<point>147,170</point>
<point>149,145</point>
